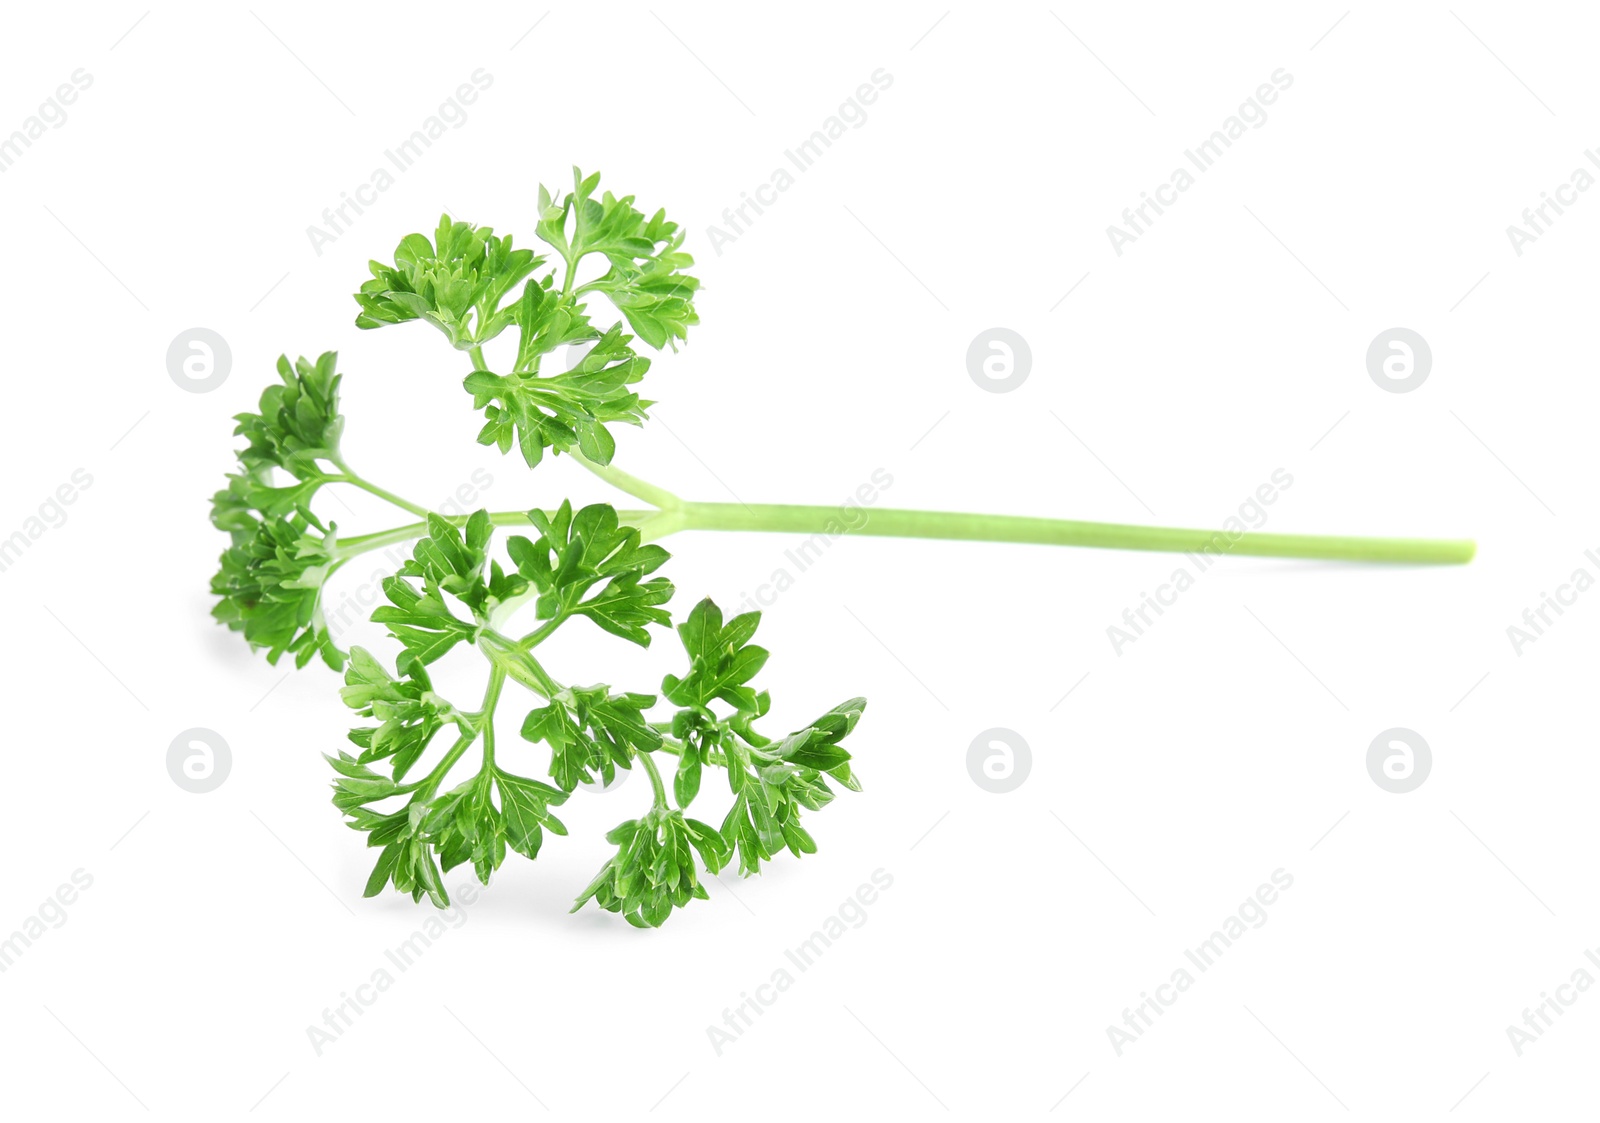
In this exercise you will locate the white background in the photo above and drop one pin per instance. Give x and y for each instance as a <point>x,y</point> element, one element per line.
<point>1230,741</point>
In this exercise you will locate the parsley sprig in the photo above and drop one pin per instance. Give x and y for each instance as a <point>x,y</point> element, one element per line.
<point>424,778</point>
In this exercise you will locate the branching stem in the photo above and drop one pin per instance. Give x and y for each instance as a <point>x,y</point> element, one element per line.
<point>888,522</point>
<point>959,526</point>
<point>349,477</point>
<point>491,699</point>
<point>655,780</point>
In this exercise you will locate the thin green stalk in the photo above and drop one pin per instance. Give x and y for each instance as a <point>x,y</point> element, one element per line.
<point>658,497</point>
<point>887,522</point>
<point>669,745</point>
<point>483,722</point>
<point>351,478</point>
<point>655,780</point>
<point>362,543</point>
<point>478,361</point>
<point>673,514</point>
<point>543,632</point>
<point>491,699</point>
<point>892,523</point>
<point>429,783</point>
<point>504,653</point>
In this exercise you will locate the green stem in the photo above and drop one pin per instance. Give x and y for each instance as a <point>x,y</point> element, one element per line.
<point>655,780</point>
<point>669,745</point>
<point>632,485</point>
<point>888,522</point>
<point>478,361</point>
<point>1066,532</point>
<point>673,514</point>
<point>518,663</point>
<point>430,782</point>
<point>543,632</point>
<point>491,699</point>
<point>363,543</point>
<point>891,523</point>
<point>483,722</point>
<point>350,477</point>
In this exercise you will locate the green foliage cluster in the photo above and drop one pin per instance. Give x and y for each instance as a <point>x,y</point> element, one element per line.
<point>454,592</point>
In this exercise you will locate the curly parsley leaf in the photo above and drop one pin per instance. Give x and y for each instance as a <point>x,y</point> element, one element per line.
<point>774,783</point>
<point>548,319</point>
<point>463,281</point>
<point>525,807</point>
<point>561,411</point>
<point>421,620</point>
<point>430,834</point>
<point>407,858</point>
<point>455,282</point>
<point>722,661</point>
<point>466,825</point>
<point>646,280</point>
<point>270,578</point>
<point>771,782</point>
<point>653,871</point>
<point>576,552</point>
<point>297,428</point>
<point>269,582</point>
<point>473,285</point>
<point>591,733</point>
<point>251,497</point>
<point>408,711</point>
<point>298,423</point>
<point>453,562</point>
